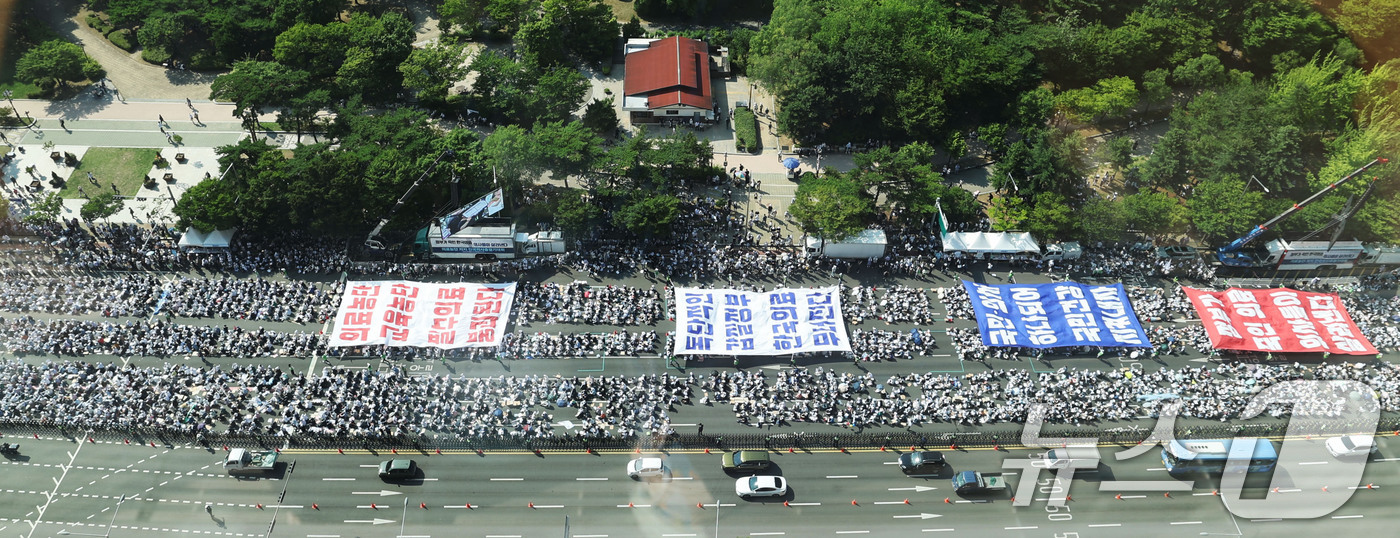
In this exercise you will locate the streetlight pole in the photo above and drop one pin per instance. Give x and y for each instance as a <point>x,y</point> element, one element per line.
<point>9,96</point>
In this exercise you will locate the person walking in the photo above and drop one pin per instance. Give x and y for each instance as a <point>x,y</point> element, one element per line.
<point>700,429</point>
<point>161,118</point>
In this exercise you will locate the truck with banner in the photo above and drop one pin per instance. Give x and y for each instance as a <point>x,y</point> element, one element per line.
<point>490,239</point>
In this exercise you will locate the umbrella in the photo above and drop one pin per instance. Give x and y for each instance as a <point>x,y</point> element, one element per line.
<point>791,163</point>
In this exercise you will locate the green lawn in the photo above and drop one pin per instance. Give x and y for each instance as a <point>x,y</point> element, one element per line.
<point>127,167</point>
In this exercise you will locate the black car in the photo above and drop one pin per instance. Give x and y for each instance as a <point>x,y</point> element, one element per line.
<point>922,463</point>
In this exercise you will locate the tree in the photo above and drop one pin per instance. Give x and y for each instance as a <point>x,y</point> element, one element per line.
<point>1118,151</point>
<point>433,70</point>
<point>1154,86</point>
<point>564,28</point>
<point>1050,217</point>
<point>556,96</point>
<point>101,206</point>
<point>1223,209</point>
<point>165,30</point>
<point>573,212</point>
<point>1371,23</point>
<point>463,15</point>
<point>956,146</point>
<point>1008,213</point>
<point>55,62</point>
<point>318,49</point>
<point>831,207</point>
<point>377,46</point>
<point>1154,213</point>
<point>1200,72</point>
<point>510,152</point>
<point>601,117</point>
<point>45,211</point>
<point>1108,97</point>
<point>253,85</point>
<point>1102,220</point>
<point>566,148</point>
<point>994,136</point>
<point>301,111</point>
<point>209,205</point>
<point>648,216</point>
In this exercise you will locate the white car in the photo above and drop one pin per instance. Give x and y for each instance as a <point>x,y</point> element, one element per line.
<point>646,468</point>
<point>761,486</point>
<point>1352,445</point>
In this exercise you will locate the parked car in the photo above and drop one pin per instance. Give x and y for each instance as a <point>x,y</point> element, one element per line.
<point>761,486</point>
<point>398,469</point>
<point>922,463</point>
<point>646,468</point>
<point>1177,252</point>
<point>745,461</point>
<point>1352,446</point>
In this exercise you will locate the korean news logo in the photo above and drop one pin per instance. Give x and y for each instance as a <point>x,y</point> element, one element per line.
<point>1297,490</point>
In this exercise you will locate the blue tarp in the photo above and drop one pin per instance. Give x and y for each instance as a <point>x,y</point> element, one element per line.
<point>1059,314</point>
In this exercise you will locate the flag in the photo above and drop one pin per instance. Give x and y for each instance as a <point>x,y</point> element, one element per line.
<point>942,219</point>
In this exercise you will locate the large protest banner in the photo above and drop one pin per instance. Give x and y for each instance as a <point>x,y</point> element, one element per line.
<point>1059,314</point>
<point>403,313</point>
<point>1278,319</point>
<point>779,322</point>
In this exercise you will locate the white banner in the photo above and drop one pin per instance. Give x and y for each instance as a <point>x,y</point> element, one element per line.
<point>402,313</point>
<point>779,322</point>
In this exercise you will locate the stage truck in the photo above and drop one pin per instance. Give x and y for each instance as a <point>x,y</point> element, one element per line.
<point>487,239</point>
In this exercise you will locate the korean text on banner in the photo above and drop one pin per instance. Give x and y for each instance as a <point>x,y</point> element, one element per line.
<point>1278,319</point>
<point>1052,315</point>
<point>779,322</point>
<point>403,313</point>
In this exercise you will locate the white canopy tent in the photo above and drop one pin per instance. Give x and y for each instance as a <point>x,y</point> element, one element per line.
<point>990,242</point>
<point>194,238</point>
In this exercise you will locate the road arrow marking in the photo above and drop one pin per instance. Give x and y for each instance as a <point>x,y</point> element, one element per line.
<point>920,516</point>
<point>915,488</point>
<point>375,521</point>
<point>776,367</point>
<point>381,493</point>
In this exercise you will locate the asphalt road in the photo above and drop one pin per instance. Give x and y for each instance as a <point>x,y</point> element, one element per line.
<point>75,487</point>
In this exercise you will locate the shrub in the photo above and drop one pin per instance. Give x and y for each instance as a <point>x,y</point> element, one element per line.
<point>155,55</point>
<point>746,131</point>
<point>122,39</point>
<point>205,60</point>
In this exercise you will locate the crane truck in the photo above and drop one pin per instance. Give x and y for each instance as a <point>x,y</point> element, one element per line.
<point>1303,255</point>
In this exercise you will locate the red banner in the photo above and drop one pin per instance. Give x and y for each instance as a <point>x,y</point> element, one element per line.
<point>1278,319</point>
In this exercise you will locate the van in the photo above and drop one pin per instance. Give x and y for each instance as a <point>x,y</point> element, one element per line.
<point>1079,458</point>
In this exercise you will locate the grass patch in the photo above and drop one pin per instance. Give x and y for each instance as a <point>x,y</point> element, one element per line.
<point>746,131</point>
<point>126,167</point>
<point>269,126</point>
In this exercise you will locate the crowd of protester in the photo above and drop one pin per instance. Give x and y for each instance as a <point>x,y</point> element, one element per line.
<point>147,294</point>
<point>263,399</point>
<point>581,302</point>
<point>72,337</point>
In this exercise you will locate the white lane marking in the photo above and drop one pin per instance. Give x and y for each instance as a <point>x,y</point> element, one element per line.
<point>1022,528</point>
<point>323,536</point>
<point>1134,497</point>
<point>691,534</point>
<point>767,533</point>
<point>642,506</point>
<point>503,536</point>
<point>1294,490</point>
<point>590,536</point>
<point>939,530</point>
<point>891,463</point>
<point>332,479</point>
<point>548,506</point>
<point>804,504</point>
<point>1313,463</point>
<point>1387,459</point>
<point>1156,468</point>
<point>284,506</point>
<point>852,532</point>
<point>841,476</point>
<point>682,478</point>
<point>581,479</point>
<point>1106,525</point>
<point>721,505</point>
<point>1367,486</point>
<point>1186,523</point>
<point>370,466</point>
<point>507,479</point>
<point>1347,517</point>
<point>1202,494</point>
<point>886,502</point>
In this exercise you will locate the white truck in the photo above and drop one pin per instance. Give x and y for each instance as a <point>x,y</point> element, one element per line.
<point>866,244</point>
<point>1070,250</point>
<point>1308,255</point>
<point>244,462</point>
<point>489,241</point>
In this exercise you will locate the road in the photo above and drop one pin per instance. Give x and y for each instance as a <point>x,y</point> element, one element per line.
<point>74,486</point>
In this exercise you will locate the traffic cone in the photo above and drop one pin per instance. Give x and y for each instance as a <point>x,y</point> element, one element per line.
<point>153,444</point>
<point>854,503</point>
<point>394,450</point>
<point>589,450</point>
<point>707,451</point>
<point>785,503</point>
<point>947,500</point>
<point>953,446</point>
<point>373,506</point>
<point>1275,490</point>
<point>1324,489</point>
<point>479,452</point>
<point>225,448</point>
<point>315,506</point>
<point>128,441</point>
<point>1069,497</point>
<point>882,448</point>
<point>1167,494</point>
<point>911,448</point>
<point>639,451</point>
<point>1118,496</point>
<point>439,451</point>
<point>277,450</point>
<point>423,505</point>
<point>700,506</point>
<point>996,448</point>
<point>469,506</point>
<point>1013,500</point>
<point>790,450</point>
<point>1215,492</point>
<point>630,505</point>
<point>340,450</point>
<point>531,505</point>
<point>1370,486</point>
<point>906,501</point>
<point>259,506</point>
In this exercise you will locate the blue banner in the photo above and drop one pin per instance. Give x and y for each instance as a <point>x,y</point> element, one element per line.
<point>1059,314</point>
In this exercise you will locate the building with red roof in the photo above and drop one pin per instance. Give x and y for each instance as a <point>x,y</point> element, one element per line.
<point>668,78</point>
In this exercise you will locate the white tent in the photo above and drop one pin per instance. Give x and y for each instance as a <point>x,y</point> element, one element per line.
<point>991,243</point>
<point>194,238</point>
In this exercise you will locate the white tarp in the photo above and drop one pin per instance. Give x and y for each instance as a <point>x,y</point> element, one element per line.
<point>194,238</point>
<point>402,313</point>
<point>990,242</point>
<point>780,322</point>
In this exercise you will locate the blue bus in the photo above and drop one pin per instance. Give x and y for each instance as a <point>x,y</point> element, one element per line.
<point>1211,455</point>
